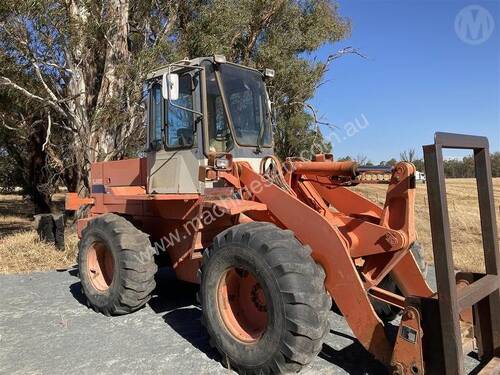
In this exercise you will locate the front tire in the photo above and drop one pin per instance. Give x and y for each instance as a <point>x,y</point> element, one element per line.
<point>263,297</point>
<point>116,265</point>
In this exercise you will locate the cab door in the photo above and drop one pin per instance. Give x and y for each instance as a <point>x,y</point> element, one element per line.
<point>174,153</point>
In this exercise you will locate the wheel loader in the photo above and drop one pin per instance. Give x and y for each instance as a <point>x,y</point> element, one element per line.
<point>273,244</point>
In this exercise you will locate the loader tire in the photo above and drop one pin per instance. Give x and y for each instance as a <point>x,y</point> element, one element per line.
<point>264,303</point>
<point>116,265</point>
<point>387,312</point>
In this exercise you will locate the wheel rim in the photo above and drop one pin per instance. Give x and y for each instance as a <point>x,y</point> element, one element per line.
<point>100,265</point>
<point>242,305</point>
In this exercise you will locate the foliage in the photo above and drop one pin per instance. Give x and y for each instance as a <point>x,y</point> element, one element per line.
<point>453,168</point>
<point>23,162</point>
<point>273,34</point>
<point>79,65</point>
<point>10,177</point>
<point>464,167</point>
<point>296,135</point>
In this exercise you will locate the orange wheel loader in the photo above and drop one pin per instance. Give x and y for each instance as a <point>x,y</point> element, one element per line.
<point>272,244</point>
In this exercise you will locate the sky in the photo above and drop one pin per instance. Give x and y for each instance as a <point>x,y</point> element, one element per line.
<point>424,72</point>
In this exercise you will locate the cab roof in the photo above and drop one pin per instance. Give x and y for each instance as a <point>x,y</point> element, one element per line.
<point>187,62</point>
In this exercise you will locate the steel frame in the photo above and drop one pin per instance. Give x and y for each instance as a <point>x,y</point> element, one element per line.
<point>483,294</point>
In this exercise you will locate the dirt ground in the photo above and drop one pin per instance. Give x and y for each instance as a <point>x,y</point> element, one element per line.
<point>21,251</point>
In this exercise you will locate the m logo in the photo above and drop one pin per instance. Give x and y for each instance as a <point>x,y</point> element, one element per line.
<point>474,24</point>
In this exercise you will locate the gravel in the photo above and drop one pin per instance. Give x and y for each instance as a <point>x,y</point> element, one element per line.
<point>46,328</point>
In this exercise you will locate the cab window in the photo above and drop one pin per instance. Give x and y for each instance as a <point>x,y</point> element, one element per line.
<point>155,116</point>
<point>179,121</point>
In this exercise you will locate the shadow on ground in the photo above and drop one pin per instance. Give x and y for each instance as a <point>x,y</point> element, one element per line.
<point>353,359</point>
<point>176,300</point>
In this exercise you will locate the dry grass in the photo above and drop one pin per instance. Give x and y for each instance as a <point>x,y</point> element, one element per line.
<point>21,251</point>
<point>464,219</point>
<point>20,248</point>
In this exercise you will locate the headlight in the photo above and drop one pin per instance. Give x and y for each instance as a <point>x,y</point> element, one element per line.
<point>222,163</point>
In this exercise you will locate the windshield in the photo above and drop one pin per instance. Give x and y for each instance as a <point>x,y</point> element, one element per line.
<point>247,100</point>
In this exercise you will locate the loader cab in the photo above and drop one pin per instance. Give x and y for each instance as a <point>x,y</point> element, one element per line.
<point>199,107</point>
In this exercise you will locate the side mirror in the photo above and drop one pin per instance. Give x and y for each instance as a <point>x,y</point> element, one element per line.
<point>170,86</point>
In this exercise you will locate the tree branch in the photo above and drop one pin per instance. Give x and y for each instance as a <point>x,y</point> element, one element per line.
<point>337,55</point>
<point>7,82</point>
<point>4,123</point>
<point>167,28</point>
<point>40,77</point>
<point>49,130</point>
<point>314,113</point>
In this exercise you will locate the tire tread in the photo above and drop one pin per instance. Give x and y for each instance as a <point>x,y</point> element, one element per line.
<point>301,285</point>
<point>136,261</point>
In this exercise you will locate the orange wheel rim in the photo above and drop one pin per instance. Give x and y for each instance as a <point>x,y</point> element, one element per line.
<point>242,305</point>
<point>100,265</point>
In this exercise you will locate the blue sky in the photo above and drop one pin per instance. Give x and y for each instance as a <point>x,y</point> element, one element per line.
<point>420,77</point>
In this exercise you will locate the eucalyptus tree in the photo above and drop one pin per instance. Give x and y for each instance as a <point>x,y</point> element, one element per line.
<point>81,64</point>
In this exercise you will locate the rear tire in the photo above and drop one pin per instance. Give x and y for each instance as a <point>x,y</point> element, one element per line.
<point>263,297</point>
<point>116,265</point>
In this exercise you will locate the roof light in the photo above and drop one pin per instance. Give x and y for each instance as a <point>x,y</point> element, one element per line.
<point>220,59</point>
<point>269,73</point>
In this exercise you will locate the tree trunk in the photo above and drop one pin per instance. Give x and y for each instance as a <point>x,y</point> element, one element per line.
<point>97,91</point>
<point>112,93</point>
<point>41,198</point>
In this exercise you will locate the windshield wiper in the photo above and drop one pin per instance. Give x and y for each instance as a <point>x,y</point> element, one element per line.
<point>260,139</point>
